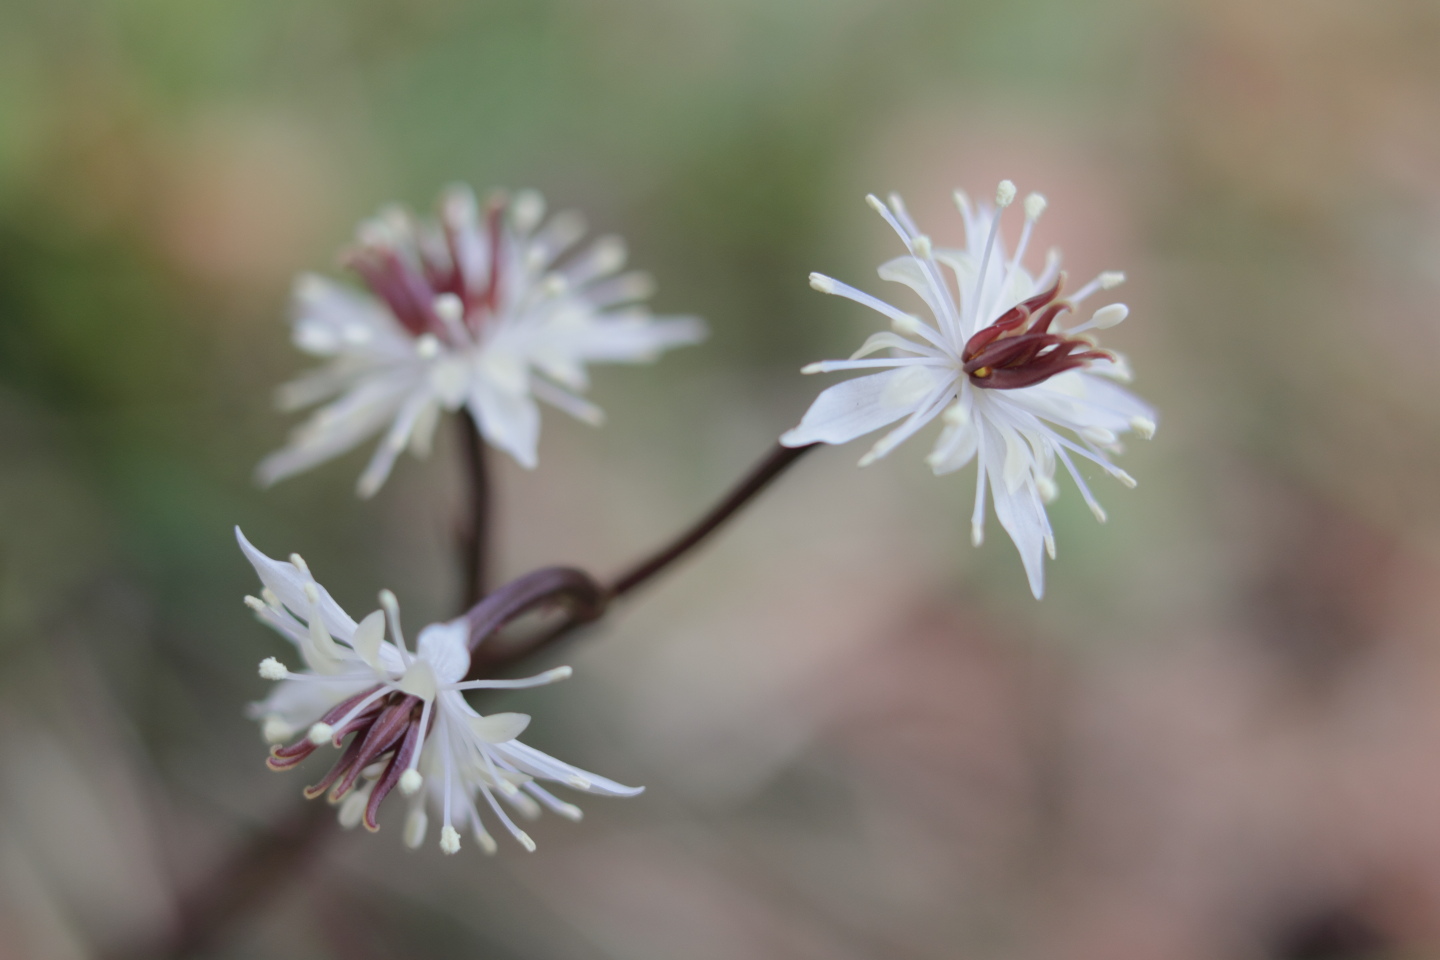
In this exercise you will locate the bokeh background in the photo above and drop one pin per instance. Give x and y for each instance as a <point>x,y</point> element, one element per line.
<point>1217,737</point>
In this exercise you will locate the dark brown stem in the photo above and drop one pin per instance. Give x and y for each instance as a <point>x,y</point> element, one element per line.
<point>476,535</point>
<point>487,661</point>
<point>774,464</point>
<point>256,871</point>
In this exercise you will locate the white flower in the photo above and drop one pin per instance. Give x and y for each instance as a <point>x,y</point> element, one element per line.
<point>490,315</point>
<point>406,714</point>
<point>1017,391</point>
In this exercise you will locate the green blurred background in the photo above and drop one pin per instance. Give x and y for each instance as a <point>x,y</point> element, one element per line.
<point>1217,736</point>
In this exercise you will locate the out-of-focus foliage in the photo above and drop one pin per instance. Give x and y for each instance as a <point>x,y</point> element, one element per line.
<point>1214,738</point>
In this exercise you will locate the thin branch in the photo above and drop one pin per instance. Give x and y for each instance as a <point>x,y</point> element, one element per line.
<point>263,863</point>
<point>477,535</point>
<point>500,652</point>
<point>775,463</point>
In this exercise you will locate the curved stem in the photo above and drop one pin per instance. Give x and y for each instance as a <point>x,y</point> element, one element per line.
<point>475,536</point>
<point>776,462</point>
<point>242,882</point>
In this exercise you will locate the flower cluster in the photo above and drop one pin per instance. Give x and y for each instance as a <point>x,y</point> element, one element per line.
<point>490,313</point>
<point>1016,391</point>
<point>405,714</point>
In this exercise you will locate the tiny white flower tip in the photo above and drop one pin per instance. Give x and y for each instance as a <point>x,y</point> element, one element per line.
<point>1050,546</point>
<point>300,564</point>
<point>570,812</point>
<point>1109,316</point>
<point>427,346</point>
<point>554,284</point>
<point>449,840</point>
<point>320,733</point>
<point>269,597</point>
<point>1034,206</point>
<point>822,283</point>
<point>388,601</point>
<point>977,534</point>
<point>1143,426</point>
<point>817,367</point>
<point>449,307</point>
<point>528,209</point>
<point>1005,194</point>
<point>415,825</point>
<point>312,593</point>
<point>487,843</point>
<point>957,415</point>
<point>1125,478</point>
<point>1047,489</point>
<point>578,782</point>
<point>921,246</point>
<point>256,604</point>
<point>275,730</point>
<point>560,673</point>
<point>525,840</point>
<point>1111,279</point>
<point>869,458</point>
<point>1099,512</point>
<point>962,200</point>
<point>410,782</point>
<point>1098,435</point>
<point>273,669</point>
<point>875,202</point>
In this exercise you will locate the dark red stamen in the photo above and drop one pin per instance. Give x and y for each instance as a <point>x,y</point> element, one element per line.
<point>1018,350</point>
<point>387,728</point>
<point>398,765</point>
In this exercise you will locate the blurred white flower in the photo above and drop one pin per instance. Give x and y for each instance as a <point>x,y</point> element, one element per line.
<point>490,315</point>
<point>1011,384</point>
<point>405,713</point>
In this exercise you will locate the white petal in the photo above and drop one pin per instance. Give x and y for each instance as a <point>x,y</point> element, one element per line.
<point>342,425</point>
<point>509,421</point>
<point>499,727</point>
<point>857,407</point>
<point>288,583</point>
<point>443,646</point>
<point>369,634</point>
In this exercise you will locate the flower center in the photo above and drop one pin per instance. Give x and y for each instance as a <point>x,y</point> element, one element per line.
<point>1020,350</point>
<point>411,276</point>
<point>386,731</point>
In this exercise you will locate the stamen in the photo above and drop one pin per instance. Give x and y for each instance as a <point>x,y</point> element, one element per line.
<point>822,283</point>
<point>451,311</point>
<point>990,241</point>
<point>273,669</point>
<point>276,730</point>
<point>1108,280</point>
<point>449,840</point>
<point>427,346</point>
<point>320,733</point>
<point>256,604</point>
<point>415,824</point>
<point>1005,194</point>
<point>411,781</point>
<point>391,606</point>
<point>300,564</point>
<point>1143,426</point>
<point>539,680</point>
